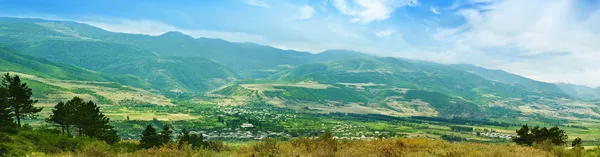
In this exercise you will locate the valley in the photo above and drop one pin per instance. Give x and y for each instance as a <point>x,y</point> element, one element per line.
<point>239,92</point>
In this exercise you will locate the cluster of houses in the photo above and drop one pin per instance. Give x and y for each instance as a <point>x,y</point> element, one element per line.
<point>240,134</point>
<point>496,135</point>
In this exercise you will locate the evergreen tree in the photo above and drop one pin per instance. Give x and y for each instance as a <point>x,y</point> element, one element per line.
<point>59,116</point>
<point>74,115</point>
<point>165,135</point>
<point>109,135</point>
<point>150,138</point>
<point>183,138</point>
<point>526,136</point>
<point>86,117</point>
<point>19,98</point>
<point>557,136</point>
<point>6,121</point>
<point>93,123</point>
<point>577,142</point>
<point>197,141</point>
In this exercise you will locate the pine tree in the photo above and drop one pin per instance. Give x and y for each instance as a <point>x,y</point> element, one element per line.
<point>95,122</point>
<point>6,122</point>
<point>109,135</point>
<point>75,115</point>
<point>165,135</point>
<point>576,142</point>
<point>150,138</point>
<point>183,138</point>
<point>86,117</point>
<point>59,116</point>
<point>19,97</point>
<point>197,141</point>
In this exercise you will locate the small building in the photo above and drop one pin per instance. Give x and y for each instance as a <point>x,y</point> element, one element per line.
<point>247,125</point>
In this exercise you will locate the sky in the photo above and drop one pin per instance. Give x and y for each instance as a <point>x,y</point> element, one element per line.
<point>546,40</point>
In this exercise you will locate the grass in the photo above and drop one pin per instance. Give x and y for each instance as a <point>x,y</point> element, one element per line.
<point>324,147</point>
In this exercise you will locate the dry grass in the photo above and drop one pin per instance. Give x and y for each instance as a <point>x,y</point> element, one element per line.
<point>303,147</point>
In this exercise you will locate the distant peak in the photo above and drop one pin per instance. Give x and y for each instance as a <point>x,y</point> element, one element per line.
<point>175,34</point>
<point>340,51</point>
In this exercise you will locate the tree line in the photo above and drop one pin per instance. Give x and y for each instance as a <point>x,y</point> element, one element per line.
<point>529,136</point>
<point>153,139</point>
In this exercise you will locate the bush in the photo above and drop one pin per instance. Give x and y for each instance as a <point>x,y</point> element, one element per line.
<point>269,147</point>
<point>95,149</point>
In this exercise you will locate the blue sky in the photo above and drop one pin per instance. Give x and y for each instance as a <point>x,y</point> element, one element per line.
<point>548,40</point>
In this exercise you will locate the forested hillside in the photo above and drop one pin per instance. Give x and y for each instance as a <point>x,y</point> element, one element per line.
<point>240,73</point>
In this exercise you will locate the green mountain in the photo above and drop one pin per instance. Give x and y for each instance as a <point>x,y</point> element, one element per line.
<point>96,49</point>
<point>580,92</point>
<point>93,55</point>
<point>176,73</point>
<point>13,61</point>
<point>331,81</point>
<point>392,84</point>
<point>512,79</point>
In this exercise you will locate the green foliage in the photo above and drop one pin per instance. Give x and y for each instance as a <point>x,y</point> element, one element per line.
<point>536,135</point>
<point>150,138</point>
<point>86,117</point>
<point>46,141</point>
<point>165,135</point>
<point>451,138</point>
<point>577,142</point>
<point>6,121</point>
<point>19,98</point>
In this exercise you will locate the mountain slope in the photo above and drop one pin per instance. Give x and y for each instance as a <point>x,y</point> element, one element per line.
<point>14,61</point>
<point>176,73</point>
<point>580,92</point>
<point>93,55</point>
<point>508,78</point>
<point>390,86</point>
<point>96,49</point>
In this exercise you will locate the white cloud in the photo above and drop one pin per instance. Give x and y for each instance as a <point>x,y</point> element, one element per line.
<point>385,33</point>
<point>366,11</point>
<point>258,3</point>
<point>512,34</point>
<point>435,11</point>
<point>306,12</point>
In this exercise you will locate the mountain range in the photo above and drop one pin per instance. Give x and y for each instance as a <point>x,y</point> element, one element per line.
<point>330,81</point>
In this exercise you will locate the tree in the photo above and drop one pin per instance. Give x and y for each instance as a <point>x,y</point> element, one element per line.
<point>523,136</point>
<point>59,116</point>
<point>150,138</point>
<point>577,142</point>
<point>526,136</point>
<point>183,138</point>
<point>109,135</point>
<point>86,117</point>
<point>92,122</point>
<point>19,98</point>
<point>165,135</point>
<point>6,121</point>
<point>557,136</point>
<point>197,141</point>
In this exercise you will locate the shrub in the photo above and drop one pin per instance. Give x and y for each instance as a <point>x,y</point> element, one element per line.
<point>269,147</point>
